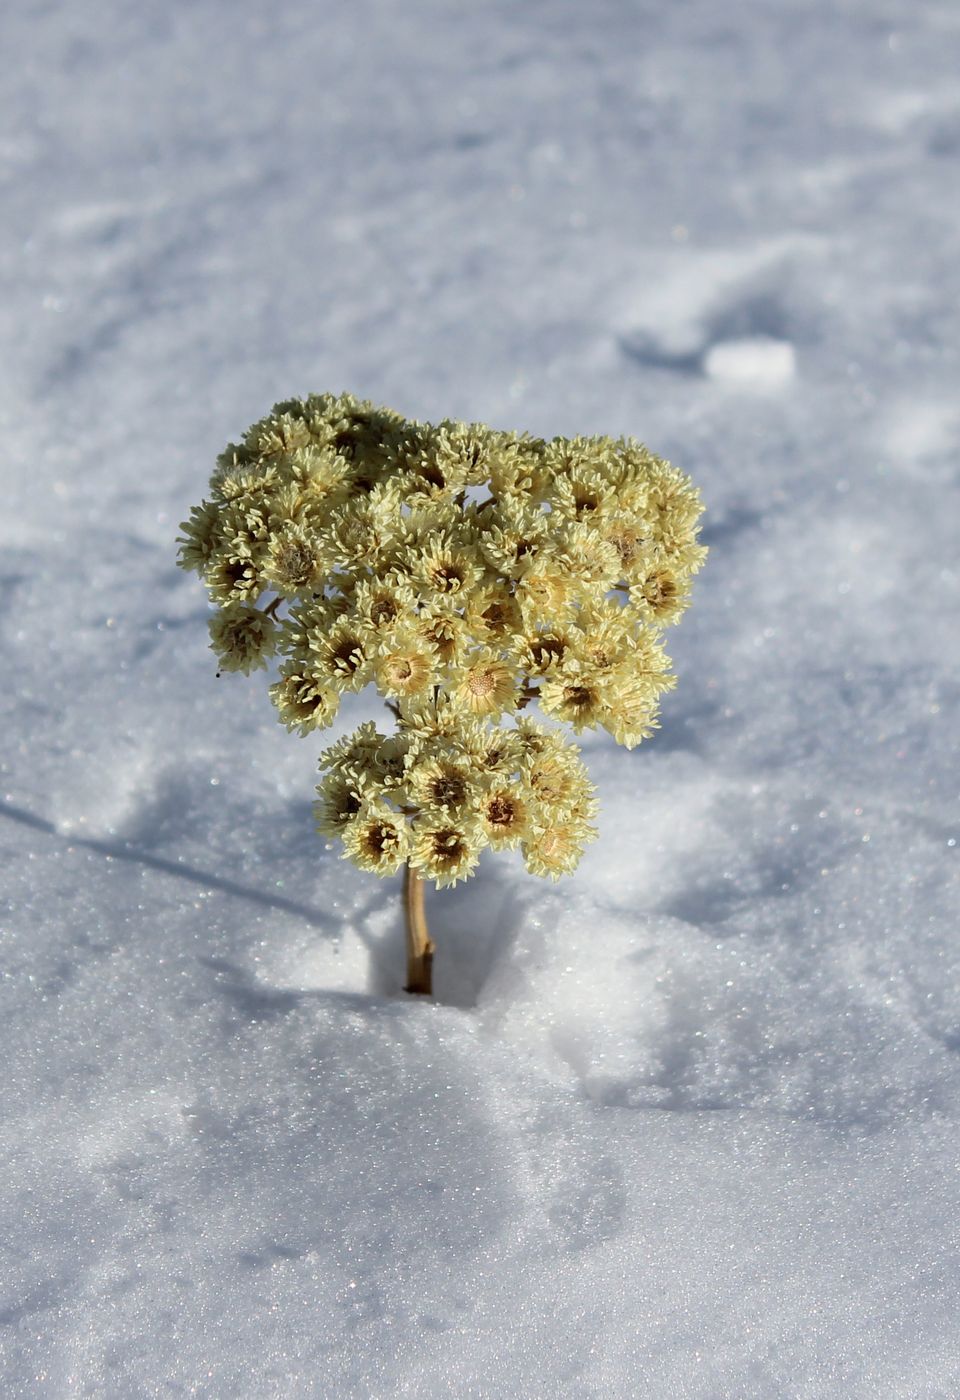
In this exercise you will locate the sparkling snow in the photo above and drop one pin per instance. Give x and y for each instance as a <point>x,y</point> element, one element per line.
<point>688,1124</point>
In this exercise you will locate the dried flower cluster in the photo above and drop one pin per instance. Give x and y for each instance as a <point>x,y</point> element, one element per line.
<point>465,573</point>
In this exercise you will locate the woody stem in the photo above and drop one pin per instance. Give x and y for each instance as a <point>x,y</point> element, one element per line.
<point>419,943</point>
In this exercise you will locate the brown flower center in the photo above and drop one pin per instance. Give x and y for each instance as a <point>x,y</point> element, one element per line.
<point>234,572</point>
<point>448,846</point>
<point>482,683</point>
<point>496,616</point>
<point>432,474</point>
<point>383,610</point>
<point>295,564</point>
<point>347,655</point>
<point>579,697</point>
<point>448,790</point>
<point>660,588</point>
<point>447,578</point>
<point>547,649</point>
<point>627,544</point>
<point>501,811</point>
<point>379,837</point>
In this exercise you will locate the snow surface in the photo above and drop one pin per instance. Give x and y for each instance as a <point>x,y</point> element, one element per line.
<point>687,1125</point>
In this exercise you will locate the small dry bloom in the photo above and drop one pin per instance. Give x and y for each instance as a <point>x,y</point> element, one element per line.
<point>662,595</point>
<point>366,530</point>
<point>242,637</point>
<point>545,589</point>
<point>584,493</point>
<point>340,800</point>
<point>555,849</point>
<point>517,470</point>
<point>577,694</point>
<point>358,751</point>
<point>445,851</point>
<point>492,612</point>
<point>345,656</point>
<point>232,576</point>
<point>442,566</point>
<point>445,630</point>
<point>606,634</point>
<point>377,839</point>
<point>462,453</point>
<point>555,776</point>
<point>543,648</point>
<point>294,560</point>
<point>511,534</point>
<point>487,685</point>
<point>465,573</point>
<point>504,815</point>
<point>404,666</point>
<point>587,557</point>
<point>382,604</point>
<point>394,759</point>
<point>201,536</point>
<point>489,750</point>
<point>303,702</point>
<point>442,785</point>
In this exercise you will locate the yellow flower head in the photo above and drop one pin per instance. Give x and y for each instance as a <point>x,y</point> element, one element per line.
<point>357,752</point>
<point>442,566</point>
<point>345,655</point>
<point>383,604</point>
<point>240,480</point>
<point>466,573</point>
<point>232,575</point>
<point>545,588</point>
<point>586,556</point>
<point>554,775</point>
<point>606,634</point>
<point>504,816</point>
<point>492,751</point>
<point>404,665</point>
<point>395,756</point>
<point>577,695</point>
<point>303,702</point>
<point>294,561</point>
<point>493,613</point>
<point>543,648</point>
<point>662,595</point>
<point>517,468</point>
<point>242,637</point>
<point>584,493</point>
<point>376,838</point>
<point>201,536</point>
<point>367,529</point>
<point>320,476</point>
<point>443,460</point>
<point>445,850</point>
<point>487,684</point>
<point>445,630</point>
<point>340,801</point>
<point>555,849</point>
<point>511,534</point>
<point>441,785</point>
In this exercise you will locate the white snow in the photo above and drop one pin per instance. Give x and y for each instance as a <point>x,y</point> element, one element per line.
<point>688,1124</point>
<point>758,361</point>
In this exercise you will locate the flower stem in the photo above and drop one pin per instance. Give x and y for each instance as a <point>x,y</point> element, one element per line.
<point>419,943</point>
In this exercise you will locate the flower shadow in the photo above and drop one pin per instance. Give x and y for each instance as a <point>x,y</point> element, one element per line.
<point>474,926</point>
